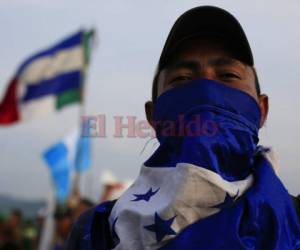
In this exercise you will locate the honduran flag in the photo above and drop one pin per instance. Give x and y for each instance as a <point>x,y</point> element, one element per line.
<point>48,80</point>
<point>59,158</point>
<point>69,154</point>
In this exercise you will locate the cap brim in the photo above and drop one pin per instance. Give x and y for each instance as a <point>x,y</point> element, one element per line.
<point>208,20</point>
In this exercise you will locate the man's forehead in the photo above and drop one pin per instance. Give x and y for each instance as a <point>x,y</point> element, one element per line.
<point>220,51</point>
<point>216,60</point>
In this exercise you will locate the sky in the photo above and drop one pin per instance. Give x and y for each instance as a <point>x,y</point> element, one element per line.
<point>131,35</point>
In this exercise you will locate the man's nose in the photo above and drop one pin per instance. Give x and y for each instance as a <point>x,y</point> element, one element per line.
<point>206,72</point>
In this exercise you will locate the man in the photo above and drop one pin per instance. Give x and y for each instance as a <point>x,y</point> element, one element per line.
<point>208,185</point>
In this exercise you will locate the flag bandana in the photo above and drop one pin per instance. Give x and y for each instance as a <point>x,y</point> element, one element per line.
<point>206,190</point>
<point>47,81</point>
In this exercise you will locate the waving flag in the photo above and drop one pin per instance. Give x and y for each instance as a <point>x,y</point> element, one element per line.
<point>59,165</point>
<point>83,157</point>
<point>69,154</point>
<point>60,157</point>
<point>48,80</point>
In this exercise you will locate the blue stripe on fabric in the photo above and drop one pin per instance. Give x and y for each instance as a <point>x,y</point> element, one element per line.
<point>56,85</point>
<point>57,159</point>
<point>55,154</point>
<point>67,43</point>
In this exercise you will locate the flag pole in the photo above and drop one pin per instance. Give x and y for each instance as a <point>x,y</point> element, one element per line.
<point>87,41</point>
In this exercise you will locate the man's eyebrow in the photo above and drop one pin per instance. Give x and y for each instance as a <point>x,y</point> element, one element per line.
<point>183,64</point>
<point>216,62</point>
<point>225,61</point>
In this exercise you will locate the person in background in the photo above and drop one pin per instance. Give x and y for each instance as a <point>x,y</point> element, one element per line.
<point>63,225</point>
<point>7,239</point>
<point>14,226</point>
<point>112,187</point>
<point>83,205</point>
<point>29,235</point>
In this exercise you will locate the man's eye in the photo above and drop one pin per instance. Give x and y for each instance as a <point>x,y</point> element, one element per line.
<point>229,75</point>
<point>179,79</point>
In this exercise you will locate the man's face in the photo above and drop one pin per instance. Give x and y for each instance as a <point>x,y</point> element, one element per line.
<point>210,59</point>
<point>206,58</point>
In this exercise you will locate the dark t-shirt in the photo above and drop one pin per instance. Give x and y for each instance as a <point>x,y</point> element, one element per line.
<point>79,237</point>
<point>92,230</point>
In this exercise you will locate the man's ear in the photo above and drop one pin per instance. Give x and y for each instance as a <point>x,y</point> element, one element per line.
<point>149,107</point>
<point>263,102</point>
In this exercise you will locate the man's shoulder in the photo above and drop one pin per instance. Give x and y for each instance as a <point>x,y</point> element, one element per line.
<point>78,235</point>
<point>100,233</point>
<point>92,222</point>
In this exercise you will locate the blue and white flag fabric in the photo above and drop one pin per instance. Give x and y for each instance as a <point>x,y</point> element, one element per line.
<point>60,159</point>
<point>83,154</point>
<point>208,185</point>
<point>57,159</point>
<point>48,81</point>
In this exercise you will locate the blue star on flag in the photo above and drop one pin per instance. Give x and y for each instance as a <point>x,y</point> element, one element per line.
<point>145,197</point>
<point>228,201</point>
<point>161,227</point>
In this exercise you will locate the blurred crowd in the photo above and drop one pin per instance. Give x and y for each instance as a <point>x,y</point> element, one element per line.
<point>49,230</point>
<point>14,233</point>
<point>19,233</point>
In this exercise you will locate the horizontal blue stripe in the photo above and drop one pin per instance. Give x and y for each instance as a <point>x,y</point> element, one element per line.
<point>69,42</point>
<point>56,85</point>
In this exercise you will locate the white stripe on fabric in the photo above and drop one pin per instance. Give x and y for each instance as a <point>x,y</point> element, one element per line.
<point>38,108</point>
<point>272,157</point>
<point>230,187</point>
<point>188,191</point>
<point>47,67</point>
<point>71,143</point>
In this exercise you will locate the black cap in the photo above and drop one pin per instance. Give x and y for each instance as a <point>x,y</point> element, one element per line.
<point>208,20</point>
